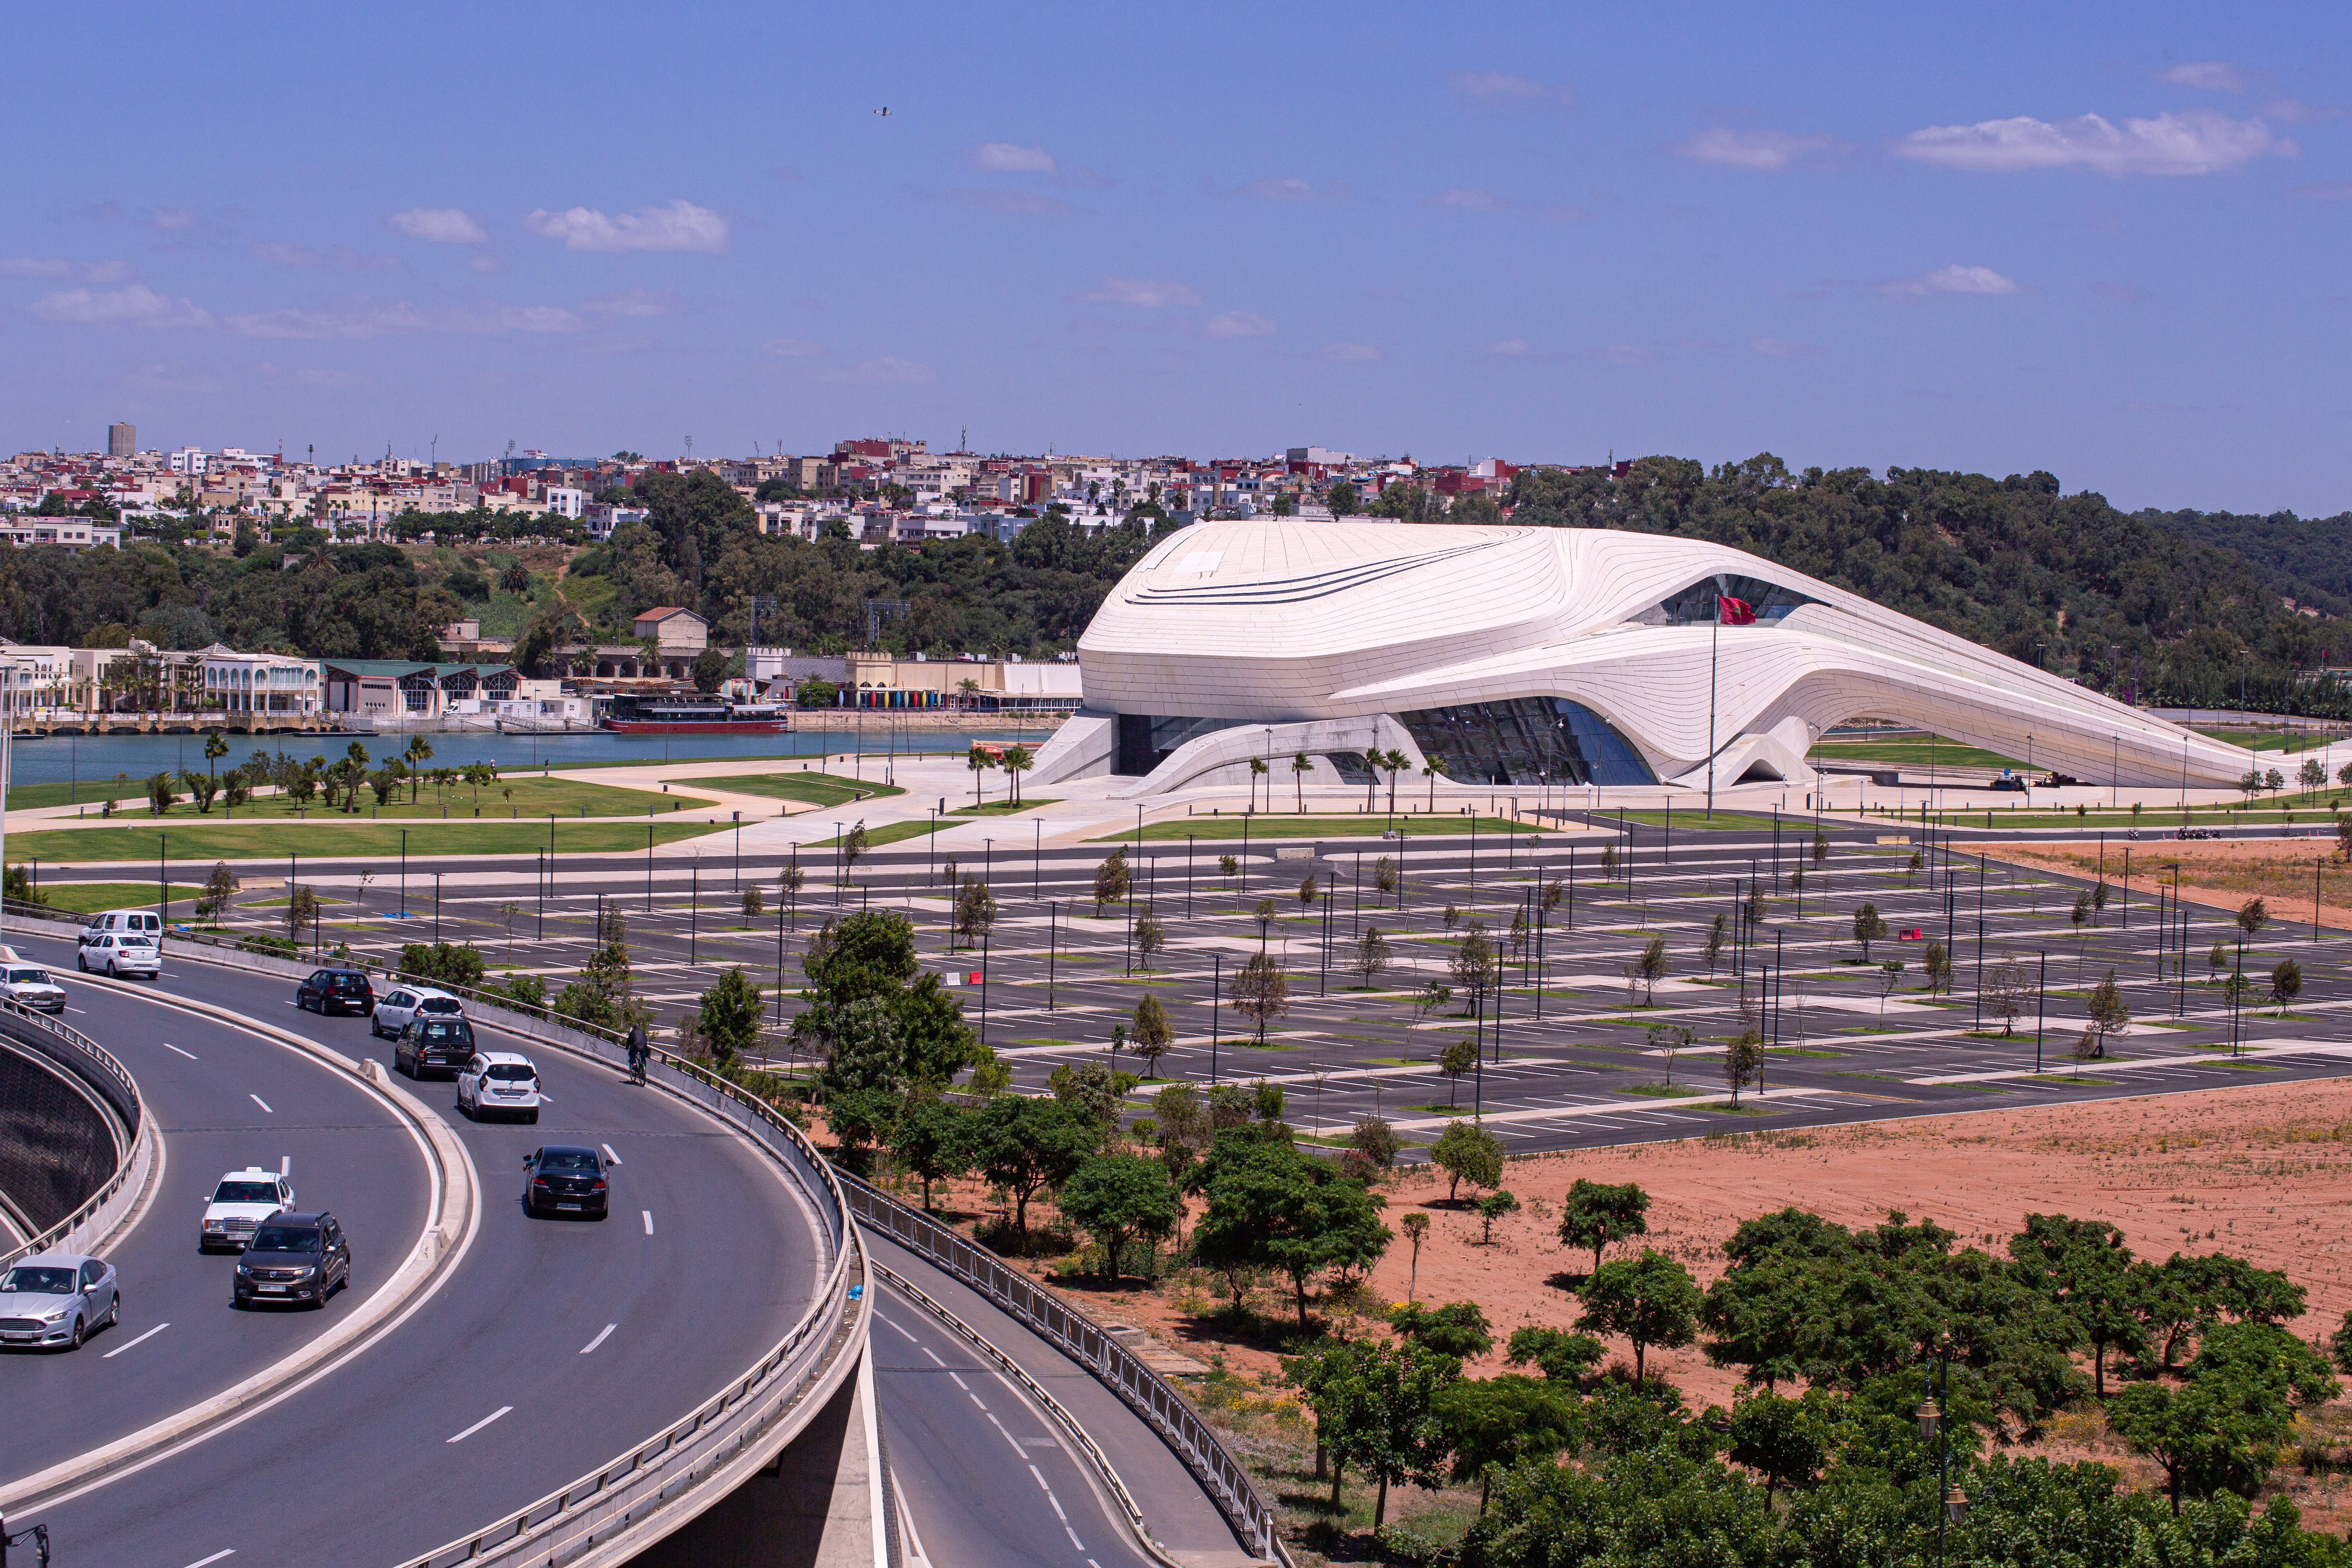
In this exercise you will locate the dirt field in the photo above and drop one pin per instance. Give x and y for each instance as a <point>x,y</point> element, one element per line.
<point>2263,1172</point>
<point>2223,875</point>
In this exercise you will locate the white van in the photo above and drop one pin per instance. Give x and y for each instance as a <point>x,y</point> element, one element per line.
<point>121,920</point>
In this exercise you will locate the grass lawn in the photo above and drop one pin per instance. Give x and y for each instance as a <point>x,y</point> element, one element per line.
<point>1911,750</point>
<point>1659,1091</point>
<point>1698,820</point>
<point>811,788</point>
<point>531,797</point>
<point>997,808</point>
<point>2261,742</point>
<point>241,840</point>
<point>888,832</point>
<point>1269,827</point>
<point>88,898</point>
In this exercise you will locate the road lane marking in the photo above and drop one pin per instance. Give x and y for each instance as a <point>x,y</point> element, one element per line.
<point>139,1340</point>
<point>599,1339</point>
<point>608,1148</point>
<point>216,1557</point>
<point>285,1165</point>
<point>934,1355</point>
<point>902,1333</point>
<point>485,1421</point>
<point>170,1047</point>
<point>261,1102</point>
<point>959,1383</point>
<point>1041,1481</point>
<point>649,1220</point>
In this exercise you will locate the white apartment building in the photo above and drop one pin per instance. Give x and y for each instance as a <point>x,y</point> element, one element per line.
<point>238,683</point>
<point>566,501</point>
<point>24,530</point>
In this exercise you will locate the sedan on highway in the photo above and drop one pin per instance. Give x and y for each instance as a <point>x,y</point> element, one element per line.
<point>130,952</point>
<point>404,1003</point>
<point>434,1044</point>
<point>29,985</point>
<point>565,1178</point>
<point>242,1201</point>
<point>336,990</point>
<point>294,1258</point>
<point>502,1083</point>
<point>56,1298</point>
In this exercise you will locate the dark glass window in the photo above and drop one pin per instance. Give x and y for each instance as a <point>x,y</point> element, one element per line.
<point>1145,740</point>
<point>1527,740</point>
<point>1695,605</point>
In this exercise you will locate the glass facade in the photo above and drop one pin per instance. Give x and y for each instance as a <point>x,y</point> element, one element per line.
<point>1145,740</point>
<point>1695,605</point>
<point>1527,740</point>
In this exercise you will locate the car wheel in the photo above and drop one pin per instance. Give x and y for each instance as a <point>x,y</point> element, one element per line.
<point>77,1334</point>
<point>81,963</point>
<point>114,1310</point>
<point>110,973</point>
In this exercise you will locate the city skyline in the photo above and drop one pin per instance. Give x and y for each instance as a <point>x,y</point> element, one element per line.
<point>2095,244</point>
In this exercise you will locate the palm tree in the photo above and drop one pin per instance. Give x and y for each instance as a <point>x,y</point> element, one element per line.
<point>1300,768</point>
<point>419,750</point>
<point>1429,772</point>
<point>216,747</point>
<point>1018,760</point>
<point>1258,772</point>
<point>978,762</point>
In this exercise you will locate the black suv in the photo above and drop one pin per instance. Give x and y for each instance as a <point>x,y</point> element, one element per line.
<point>565,1178</point>
<point>293,1258</point>
<point>336,990</point>
<point>433,1044</point>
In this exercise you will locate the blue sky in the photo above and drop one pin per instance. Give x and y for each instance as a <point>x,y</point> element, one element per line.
<point>2104,240</point>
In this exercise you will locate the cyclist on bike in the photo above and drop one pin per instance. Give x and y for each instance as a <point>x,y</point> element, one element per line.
<point>639,1053</point>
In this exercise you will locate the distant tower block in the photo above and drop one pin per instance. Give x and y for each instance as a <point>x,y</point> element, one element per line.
<point>122,440</point>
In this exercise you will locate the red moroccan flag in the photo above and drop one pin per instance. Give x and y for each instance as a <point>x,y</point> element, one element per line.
<point>1735,612</point>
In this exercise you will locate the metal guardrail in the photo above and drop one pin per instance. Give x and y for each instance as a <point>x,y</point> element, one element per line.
<point>99,1060</point>
<point>1118,1368</point>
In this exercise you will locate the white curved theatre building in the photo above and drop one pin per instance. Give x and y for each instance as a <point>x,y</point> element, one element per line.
<point>1537,654</point>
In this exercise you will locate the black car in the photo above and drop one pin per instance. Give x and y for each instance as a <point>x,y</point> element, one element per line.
<point>433,1044</point>
<point>293,1258</point>
<point>336,990</point>
<point>564,1178</point>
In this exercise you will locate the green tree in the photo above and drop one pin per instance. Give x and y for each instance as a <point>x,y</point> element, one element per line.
<point>219,887</point>
<point>1458,1329</point>
<point>2083,1268</point>
<point>730,1016</point>
<point>1868,927</point>
<point>1371,956</point>
<point>1648,1300</point>
<point>1382,1416</point>
<point>1026,1146</point>
<point>1260,992</point>
<point>871,954</point>
<point>1474,965</point>
<point>1560,1356</point>
<point>2110,1016</point>
<point>1467,1152</point>
<point>1598,1214</point>
<point>1117,1198</point>
<point>1495,1205</point>
<point>216,748</point>
<point>976,911</point>
<point>1151,1035</point>
<point>2286,983</point>
<point>1786,1441</point>
<point>1493,1425</point>
<point>1457,1061</point>
<point>1712,949</point>
<point>711,669</point>
<point>1018,760</point>
<point>1150,938</point>
<point>1651,968</point>
<point>1269,1206</point>
<point>1111,880</point>
<point>1342,499</point>
<point>933,1140</point>
<point>2224,1429</point>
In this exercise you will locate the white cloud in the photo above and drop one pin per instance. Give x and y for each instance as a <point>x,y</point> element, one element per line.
<point>134,305</point>
<point>1954,280</point>
<point>51,267</point>
<point>1469,200</point>
<point>1144,293</point>
<point>1767,151</point>
<point>1239,324</point>
<point>634,302</point>
<point>1005,158</point>
<point>680,226</point>
<point>363,318</point>
<point>175,220</point>
<point>1349,353</point>
<point>333,258</point>
<point>442,225</point>
<point>1504,86</point>
<point>1511,348</point>
<point>2197,143</point>
<point>1274,188</point>
<point>792,348</point>
<point>884,371</point>
<point>2210,75</point>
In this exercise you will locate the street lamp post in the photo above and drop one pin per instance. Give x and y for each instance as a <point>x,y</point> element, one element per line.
<point>1934,1426</point>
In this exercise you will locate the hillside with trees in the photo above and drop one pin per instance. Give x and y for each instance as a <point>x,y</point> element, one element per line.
<point>2306,559</point>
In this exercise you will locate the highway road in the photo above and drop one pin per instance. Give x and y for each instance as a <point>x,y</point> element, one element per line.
<point>552,1346</point>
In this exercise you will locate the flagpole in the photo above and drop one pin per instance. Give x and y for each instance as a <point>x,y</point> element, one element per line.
<point>1714,639</point>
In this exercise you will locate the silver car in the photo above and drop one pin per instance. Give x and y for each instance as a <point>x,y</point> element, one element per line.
<point>56,1298</point>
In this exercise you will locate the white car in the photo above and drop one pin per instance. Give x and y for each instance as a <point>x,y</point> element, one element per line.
<point>502,1083</point>
<point>120,920</point>
<point>57,1299</point>
<point>29,985</point>
<point>396,1006</point>
<point>132,952</point>
<point>241,1202</point>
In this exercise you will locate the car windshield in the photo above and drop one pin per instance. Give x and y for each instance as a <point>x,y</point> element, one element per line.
<point>32,1281</point>
<point>514,1070</point>
<point>440,1005</point>
<point>284,1238</point>
<point>28,977</point>
<point>134,939</point>
<point>567,1160</point>
<point>447,1031</point>
<point>247,1192</point>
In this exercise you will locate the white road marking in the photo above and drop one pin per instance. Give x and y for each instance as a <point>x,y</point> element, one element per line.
<point>216,1557</point>
<point>1057,1508</point>
<point>261,1102</point>
<point>934,1355</point>
<point>170,1047</point>
<point>975,1399</point>
<point>959,1383</point>
<point>485,1421</point>
<point>649,1220</point>
<point>608,1148</point>
<point>1069,1531</point>
<point>1041,1481</point>
<point>902,1332</point>
<point>285,1165</point>
<point>76,1010</point>
<point>139,1340</point>
<point>599,1339</point>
